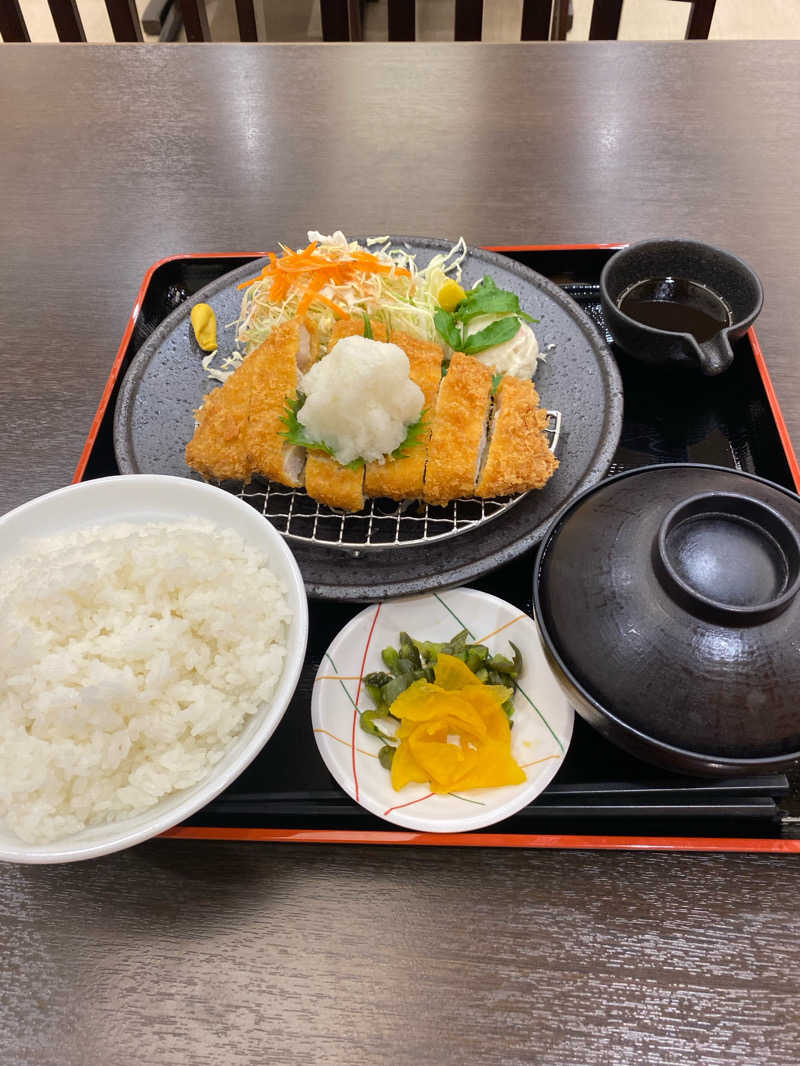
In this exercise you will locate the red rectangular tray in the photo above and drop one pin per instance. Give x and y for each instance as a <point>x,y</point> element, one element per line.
<point>567,265</point>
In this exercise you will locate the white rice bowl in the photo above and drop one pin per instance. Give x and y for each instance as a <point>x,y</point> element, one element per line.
<point>152,631</point>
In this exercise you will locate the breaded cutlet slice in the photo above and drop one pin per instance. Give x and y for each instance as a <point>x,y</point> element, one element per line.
<point>274,382</point>
<point>218,449</point>
<point>518,458</point>
<point>458,434</point>
<point>333,484</point>
<point>402,479</point>
<point>308,351</point>
<point>354,327</point>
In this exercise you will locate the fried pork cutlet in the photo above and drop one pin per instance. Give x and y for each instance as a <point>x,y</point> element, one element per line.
<point>402,479</point>
<point>240,429</point>
<point>274,381</point>
<point>333,484</point>
<point>354,327</point>
<point>518,457</point>
<point>218,448</point>
<point>458,433</point>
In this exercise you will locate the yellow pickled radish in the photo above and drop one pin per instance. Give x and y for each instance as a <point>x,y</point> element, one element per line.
<point>204,324</point>
<point>450,295</point>
<point>453,733</point>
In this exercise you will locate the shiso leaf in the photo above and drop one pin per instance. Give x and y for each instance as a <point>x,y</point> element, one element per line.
<point>487,299</point>
<point>445,323</point>
<point>495,333</point>
<point>414,437</point>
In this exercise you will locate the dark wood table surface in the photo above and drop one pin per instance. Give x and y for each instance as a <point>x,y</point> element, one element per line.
<point>206,953</point>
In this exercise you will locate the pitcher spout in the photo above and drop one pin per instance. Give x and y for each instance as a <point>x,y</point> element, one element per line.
<point>714,355</point>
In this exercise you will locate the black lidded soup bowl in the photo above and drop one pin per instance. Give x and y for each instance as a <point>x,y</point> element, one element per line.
<point>667,601</point>
<point>722,272</point>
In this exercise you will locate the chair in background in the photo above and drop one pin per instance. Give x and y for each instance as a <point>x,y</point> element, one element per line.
<point>542,20</point>
<point>341,20</point>
<point>122,15</point>
<point>606,15</point>
<point>162,17</point>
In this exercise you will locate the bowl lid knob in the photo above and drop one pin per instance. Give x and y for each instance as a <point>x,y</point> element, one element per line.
<point>728,558</point>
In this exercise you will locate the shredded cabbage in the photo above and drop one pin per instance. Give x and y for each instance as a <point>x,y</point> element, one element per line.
<point>403,303</point>
<point>229,364</point>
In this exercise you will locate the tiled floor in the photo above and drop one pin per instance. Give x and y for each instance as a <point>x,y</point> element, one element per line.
<point>296,20</point>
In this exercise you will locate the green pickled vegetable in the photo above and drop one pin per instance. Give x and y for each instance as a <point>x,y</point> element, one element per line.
<point>386,756</point>
<point>409,650</point>
<point>391,657</point>
<point>501,665</point>
<point>378,678</point>
<point>367,722</point>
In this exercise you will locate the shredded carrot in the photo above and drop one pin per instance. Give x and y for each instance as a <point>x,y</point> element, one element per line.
<point>252,281</point>
<point>287,269</point>
<point>313,288</point>
<point>279,289</point>
<point>334,307</point>
<point>305,266</point>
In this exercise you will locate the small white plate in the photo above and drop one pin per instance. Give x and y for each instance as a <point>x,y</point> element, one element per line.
<point>543,718</point>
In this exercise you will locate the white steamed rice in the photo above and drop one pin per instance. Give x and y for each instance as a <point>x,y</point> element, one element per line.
<point>130,659</point>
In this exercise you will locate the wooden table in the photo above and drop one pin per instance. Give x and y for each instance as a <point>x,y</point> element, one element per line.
<point>114,156</point>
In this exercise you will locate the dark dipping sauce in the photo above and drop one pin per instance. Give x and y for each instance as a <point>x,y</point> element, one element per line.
<point>677,306</point>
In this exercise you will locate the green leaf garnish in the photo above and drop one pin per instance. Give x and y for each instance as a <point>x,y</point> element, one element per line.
<point>295,432</point>
<point>368,328</point>
<point>445,322</point>
<point>414,436</point>
<point>496,379</point>
<point>503,329</point>
<point>486,299</point>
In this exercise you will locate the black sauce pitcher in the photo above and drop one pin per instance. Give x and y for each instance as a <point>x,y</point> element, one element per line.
<point>718,272</point>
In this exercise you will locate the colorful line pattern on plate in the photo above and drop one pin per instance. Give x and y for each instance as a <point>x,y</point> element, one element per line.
<point>500,629</point>
<point>341,678</point>
<point>358,693</point>
<point>327,733</point>
<point>410,803</point>
<point>549,727</point>
<point>450,611</point>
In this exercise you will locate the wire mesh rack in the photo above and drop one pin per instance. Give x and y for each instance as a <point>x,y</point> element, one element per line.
<point>382,523</point>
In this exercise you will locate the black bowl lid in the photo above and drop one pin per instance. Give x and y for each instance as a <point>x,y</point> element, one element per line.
<point>669,594</point>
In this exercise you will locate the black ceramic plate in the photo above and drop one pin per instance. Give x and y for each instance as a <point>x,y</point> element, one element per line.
<point>166,383</point>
